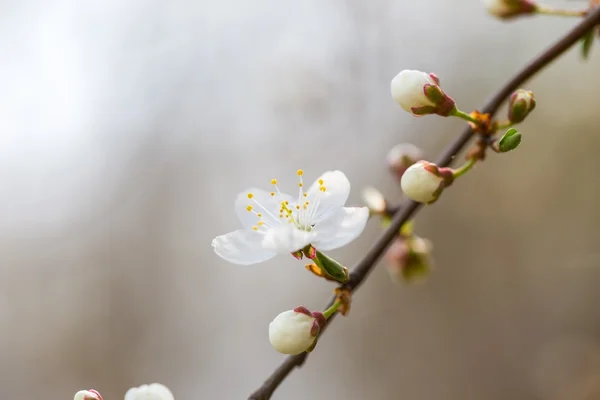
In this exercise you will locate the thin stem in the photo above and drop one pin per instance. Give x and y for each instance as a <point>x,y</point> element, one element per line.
<point>563,13</point>
<point>465,168</point>
<point>332,309</point>
<point>362,269</point>
<point>463,115</point>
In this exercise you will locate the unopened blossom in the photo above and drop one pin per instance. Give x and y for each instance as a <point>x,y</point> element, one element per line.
<point>520,104</point>
<point>423,182</point>
<point>374,200</point>
<point>277,223</point>
<point>409,259</point>
<point>509,8</point>
<point>402,156</point>
<point>87,395</point>
<point>420,94</point>
<point>295,331</point>
<point>154,391</point>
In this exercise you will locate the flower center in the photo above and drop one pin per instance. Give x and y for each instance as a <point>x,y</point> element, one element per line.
<point>300,214</point>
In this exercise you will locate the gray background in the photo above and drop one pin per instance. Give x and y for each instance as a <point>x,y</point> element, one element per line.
<point>128,128</point>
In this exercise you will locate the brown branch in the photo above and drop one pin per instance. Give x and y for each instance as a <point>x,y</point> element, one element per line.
<point>362,269</point>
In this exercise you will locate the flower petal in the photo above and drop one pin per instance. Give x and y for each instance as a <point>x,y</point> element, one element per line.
<point>342,228</point>
<point>286,239</point>
<point>337,189</point>
<point>262,202</point>
<point>241,247</point>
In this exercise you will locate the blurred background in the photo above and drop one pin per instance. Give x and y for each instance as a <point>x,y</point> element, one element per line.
<point>127,128</point>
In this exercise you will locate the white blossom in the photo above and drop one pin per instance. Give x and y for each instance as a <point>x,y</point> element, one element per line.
<point>277,223</point>
<point>87,395</point>
<point>154,391</point>
<point>422,182</point>
<point>295,331</point>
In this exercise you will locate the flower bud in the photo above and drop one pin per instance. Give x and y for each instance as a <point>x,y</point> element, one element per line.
<point>87,395</point>
<point>154,391</point>
<point>420,94</point>
<point>402,156</point>
<point>509,141</point>
<point>374,200</point>
<point>295,331</point>
<point>509,8</point>
<point>521,103</point>
<point>423,182</point>
<point>409,259</point>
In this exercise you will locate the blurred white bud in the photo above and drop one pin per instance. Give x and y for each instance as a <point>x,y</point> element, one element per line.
<point>295,331</point>
<point>509,8</point>
<point>521,103</point>
<point>402,156</point>
<point>409,259</point>
<point>423,182</point>
<point>420,94</point>
<point>374,200</point>
<point>154,391</point>
<point>87,395</point>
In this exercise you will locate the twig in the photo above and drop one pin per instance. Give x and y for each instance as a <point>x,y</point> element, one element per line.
<point>362,269</point>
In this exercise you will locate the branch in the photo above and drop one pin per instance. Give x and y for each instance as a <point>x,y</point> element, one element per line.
<point>362,269</point>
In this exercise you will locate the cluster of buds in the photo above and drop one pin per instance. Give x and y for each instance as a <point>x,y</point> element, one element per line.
<point>409,259</point>
<point>506,9</point>
<point>420,94</point>
<point>295,331</point>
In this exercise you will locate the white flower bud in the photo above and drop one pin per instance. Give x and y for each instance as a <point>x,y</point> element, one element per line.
<point>295,331</point>
<point>154,391</point>
<point>374,200</point>
<point>420,94</point>
<point>409,259</point>
<point>402,156</point>
<point>87,395</point>
<point>521,103</point>
<point>509,8</point>
<point>423,182</point>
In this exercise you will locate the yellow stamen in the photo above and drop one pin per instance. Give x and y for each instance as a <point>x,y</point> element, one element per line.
<point>273,181</point>
<point>299,172</point>
<point>320,181</point>
<point>300,184</point>
<point>322,188</point>
<point>305,194</point>
<point>259,215</point>
<point>261,223</point>
<point>272,193</point>
<point>297,207</point>
<point>249,208</point>
<point>250,195</point>
<point>255,228</point>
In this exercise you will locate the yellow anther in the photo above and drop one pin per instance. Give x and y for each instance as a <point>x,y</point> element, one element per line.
<point>250,195</point>
<point>255,228</point>
<point>280,215</point>
<point>249,208</point>
<point>287,202</point>
<point>297,207</point>
<point>307,202</point>
<point>273,181</point>
<point>322,188</point>
<point>299,172</point>
<point>261,223</point>
<point>320,181</point>
<point>305,194</point>
<point>272,193</point>
<point>305,206</point>
<point>300,184</point>
<point>259,215</point>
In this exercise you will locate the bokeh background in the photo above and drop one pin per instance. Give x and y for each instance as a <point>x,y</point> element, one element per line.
<point>128,127</point>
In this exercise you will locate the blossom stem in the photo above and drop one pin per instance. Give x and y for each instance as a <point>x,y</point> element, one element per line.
<point>332,310</point>
<point>463,115</point>
<point>465,168</point>
<point>563,13</point>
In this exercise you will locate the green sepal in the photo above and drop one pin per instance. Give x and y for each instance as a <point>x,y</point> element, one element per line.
<point>509,141</point>
<point>331,267</point>
<point>586,43</point>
